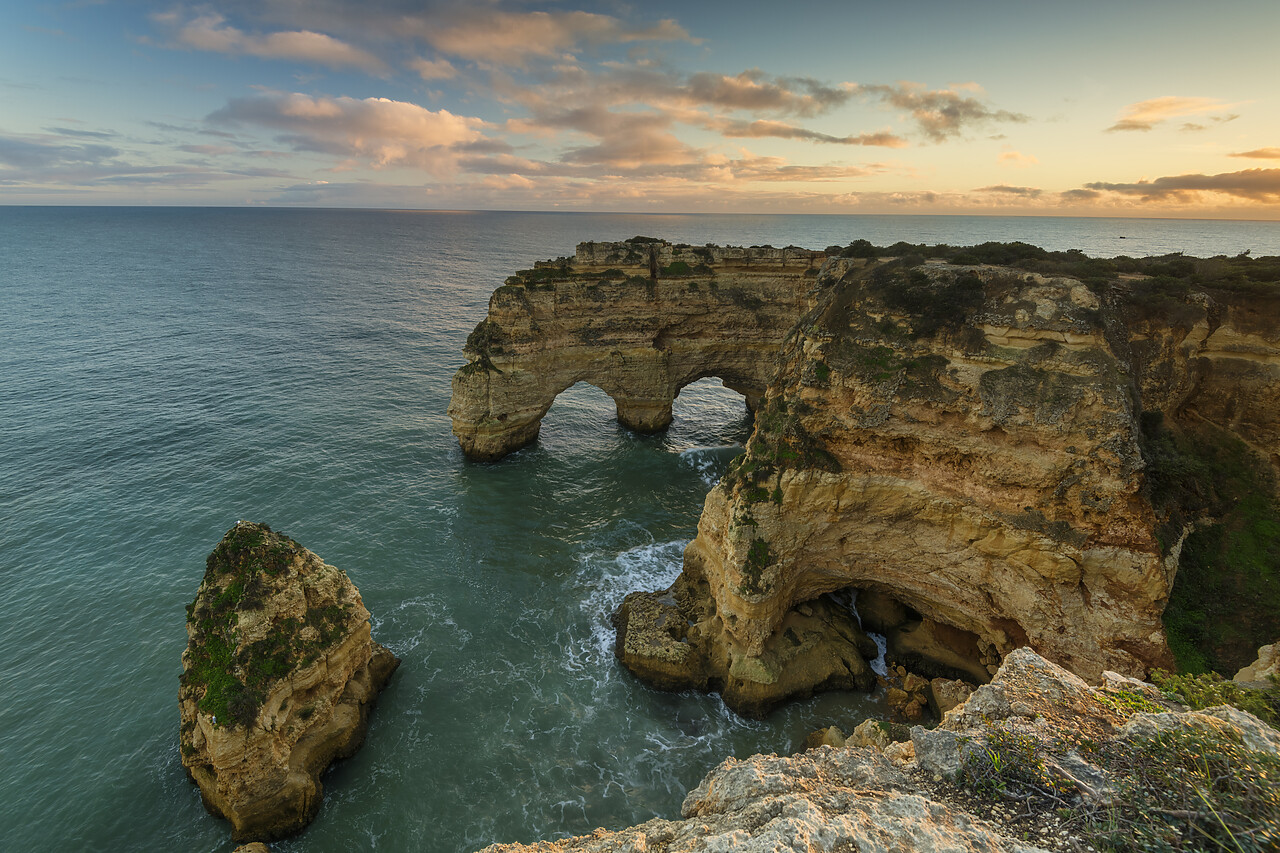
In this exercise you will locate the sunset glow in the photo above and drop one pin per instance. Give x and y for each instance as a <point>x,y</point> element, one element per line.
<point>1090,108</point>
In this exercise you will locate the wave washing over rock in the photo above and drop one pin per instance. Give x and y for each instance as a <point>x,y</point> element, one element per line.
<point>279,676</point>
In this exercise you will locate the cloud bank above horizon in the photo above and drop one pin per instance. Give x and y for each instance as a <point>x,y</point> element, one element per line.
<point>665,107</point>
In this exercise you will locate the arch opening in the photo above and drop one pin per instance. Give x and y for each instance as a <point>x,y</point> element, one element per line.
<point>583,411</point>
<point>708,413</point>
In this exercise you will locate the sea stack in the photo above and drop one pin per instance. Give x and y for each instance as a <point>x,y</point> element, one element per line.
<point>278,678</point>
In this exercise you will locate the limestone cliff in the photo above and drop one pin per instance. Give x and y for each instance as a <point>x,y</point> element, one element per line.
<point>1035,760</point>
<point>279,676</point>
<point>639,319</point>
<point>961,439</point>
<point>965,445</point>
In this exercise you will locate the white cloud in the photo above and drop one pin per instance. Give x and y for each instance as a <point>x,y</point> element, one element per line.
<point>210,32</point>
<point>376,131</point>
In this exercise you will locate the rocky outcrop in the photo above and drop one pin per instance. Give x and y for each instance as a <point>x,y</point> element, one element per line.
<point>1036,753</point>
<point>279,676</point>
<point>1213,358</point>
<point>639,319</point>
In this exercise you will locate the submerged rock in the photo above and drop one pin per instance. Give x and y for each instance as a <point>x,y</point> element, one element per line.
<point>279,676</point>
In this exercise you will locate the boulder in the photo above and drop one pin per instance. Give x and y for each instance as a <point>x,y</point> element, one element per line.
<point>279,676</point>
<point>830,736</point>
<point>1264,669</point>
<point>945,694</point>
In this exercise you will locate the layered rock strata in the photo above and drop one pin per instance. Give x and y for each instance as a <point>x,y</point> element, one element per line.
<point>279,676</point>
<point>1035,728</point>
<point>639,319</point>
<point>1213,358</point>
<point>960,442</point>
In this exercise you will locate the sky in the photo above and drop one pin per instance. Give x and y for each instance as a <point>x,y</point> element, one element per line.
<point>1120,108</point>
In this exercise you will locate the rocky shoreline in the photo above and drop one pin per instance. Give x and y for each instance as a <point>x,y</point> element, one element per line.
<point>1007,457</point>
<point>1035,760</point>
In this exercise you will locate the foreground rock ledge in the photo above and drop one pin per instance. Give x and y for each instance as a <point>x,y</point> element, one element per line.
<point>903,797</point>
<point>278,679</point>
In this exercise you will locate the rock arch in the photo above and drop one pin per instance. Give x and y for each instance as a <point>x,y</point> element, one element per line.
<point>640,320</point>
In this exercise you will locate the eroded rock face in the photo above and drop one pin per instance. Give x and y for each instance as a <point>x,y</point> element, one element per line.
<point>962,441</point>
<point>640,320</point>
<point>873,795</point>
<point>960,444</point>
<point>279,676</point>
<point>1215,360</point>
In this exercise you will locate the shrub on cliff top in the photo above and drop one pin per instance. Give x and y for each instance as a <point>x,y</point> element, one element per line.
<point>1205,690</point>
<point>1187,790</point>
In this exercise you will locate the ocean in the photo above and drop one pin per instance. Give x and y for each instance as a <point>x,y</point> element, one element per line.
<point>165,372</point>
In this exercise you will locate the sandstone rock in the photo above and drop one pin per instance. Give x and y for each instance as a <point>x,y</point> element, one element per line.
<point>252,847</point>
<point>664,638</point>
<point>984,476</point>
<point>1265,668</point>
<point>945,694</point>
<point>830,736</point>
<point>279,676</point>
<point>638,320</point>
<point>870,734</point>
<point>826,800</point>
<point>937,750</point>
<point>914,684</point>
<point>959,444</point>
<point>651,642</point>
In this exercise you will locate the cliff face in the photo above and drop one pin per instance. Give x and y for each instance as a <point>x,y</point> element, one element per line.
<point>961,445</point>
<point>640,320</point>
<point>279,676</point>
<point>1215,359</point>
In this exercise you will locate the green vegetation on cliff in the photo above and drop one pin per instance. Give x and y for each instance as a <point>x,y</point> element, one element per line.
<point>241,574</point>
<point>1227,592</point>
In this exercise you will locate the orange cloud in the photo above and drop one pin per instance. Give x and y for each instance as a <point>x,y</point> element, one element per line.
<point>513,38</point>
<point>434,69</point>
<point>377,131</point>
<point>1017,158</point>
<point>1145,115</point>
<point>210,32</point>
<point>1260,154</point>
<point>941,114</point>
<point>760,129</point>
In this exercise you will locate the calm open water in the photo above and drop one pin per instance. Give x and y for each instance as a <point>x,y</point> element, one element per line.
<point>165,372</point>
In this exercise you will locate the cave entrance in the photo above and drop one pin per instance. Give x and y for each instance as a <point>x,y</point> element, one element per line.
<point>922,645</point>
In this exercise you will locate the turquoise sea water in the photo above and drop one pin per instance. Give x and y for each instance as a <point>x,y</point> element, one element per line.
<point>165,372</point>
